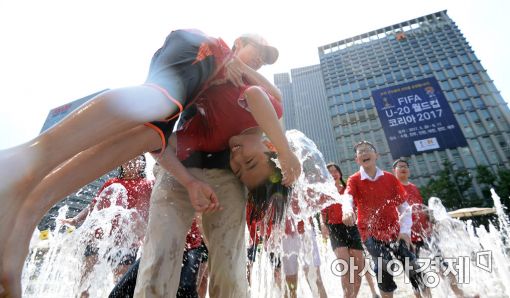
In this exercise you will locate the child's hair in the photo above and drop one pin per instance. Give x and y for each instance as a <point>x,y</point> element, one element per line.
<point>270,197</point>
<point>364,143</point>
<point>141,173</point>
<point>332,164</point>
<point>400,160</point>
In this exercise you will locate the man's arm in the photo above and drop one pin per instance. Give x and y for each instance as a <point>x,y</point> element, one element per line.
<point>201,195</point>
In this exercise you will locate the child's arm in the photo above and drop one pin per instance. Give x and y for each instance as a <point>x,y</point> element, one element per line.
<point>201,195</point>
<point>237,70</point>
<point>406,222</point>
<point>265,115</point>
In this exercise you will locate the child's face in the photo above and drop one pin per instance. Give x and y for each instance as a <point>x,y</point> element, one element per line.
<point>335,173</point>
<point>251,54</point>
<point>248,159</point>
<point>366,156</point>
<point>401,171</point>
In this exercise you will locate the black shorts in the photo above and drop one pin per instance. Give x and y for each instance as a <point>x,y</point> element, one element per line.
<point>276,262</point>
<point>91,250</point>
<point>342,235</point>
<point>179,69</point>
<point>386,251</point>
<point>252,253</point>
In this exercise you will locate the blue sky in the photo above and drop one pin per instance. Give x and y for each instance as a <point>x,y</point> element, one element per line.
<point>56,51</point>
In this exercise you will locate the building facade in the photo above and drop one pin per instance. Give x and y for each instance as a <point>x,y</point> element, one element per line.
<point>306,108</point>
<point>429,48</point>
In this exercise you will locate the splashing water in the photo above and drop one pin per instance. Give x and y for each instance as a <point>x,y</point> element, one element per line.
<point>315,188</point>
<point>57,267</point>
<point>478,258</point>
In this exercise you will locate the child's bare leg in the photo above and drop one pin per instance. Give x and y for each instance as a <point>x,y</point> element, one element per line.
<point>103,117</point>
<point>69,176</point>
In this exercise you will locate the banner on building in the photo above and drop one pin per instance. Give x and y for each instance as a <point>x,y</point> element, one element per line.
<point>416,118</point>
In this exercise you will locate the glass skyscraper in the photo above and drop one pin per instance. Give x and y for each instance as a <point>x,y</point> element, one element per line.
<point>428,49</point>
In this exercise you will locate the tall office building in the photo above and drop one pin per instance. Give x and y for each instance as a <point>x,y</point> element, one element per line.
<point>306,109</point>
<point>414,89</point>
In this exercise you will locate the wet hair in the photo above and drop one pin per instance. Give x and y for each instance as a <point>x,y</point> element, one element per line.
<point>270,197</point>
<point>141,173</point>
<point>332,164</point>
<point>364,143</point>
<point>400,160</point>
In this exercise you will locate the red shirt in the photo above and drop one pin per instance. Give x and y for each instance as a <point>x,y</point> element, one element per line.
<point>377,203</point>
<point>194,237</point>
<point>421,225</point>
<point>333,213</point>
<point>222,112</point>
<point>138,195</point>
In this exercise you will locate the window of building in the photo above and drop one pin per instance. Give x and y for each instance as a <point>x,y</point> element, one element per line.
<point>456,107</point>
<point>472,91</point>
<point>464,58</point>
<point>440,76</point>
<point>460,70</point>
<point>476,78</point>
<point>450,73</point>
<point>455,83</point>
<point>500,119</point>
<point>456,159</point>
<point>503,144</point>
<point>461,94</point>
<point>465,126</point>
<point>431,160</point>
<point>445,85</point>
<point>477,150</point>
<point>492,154</point>
<point>455,60</point>
<point>346,129</point>
<point>479,129</point>
<point>466,154</point>
<point>478,102</point>
<point>470,68</point>
<point>468,105</point>
<point>487,117</point>
<point>420,162</point>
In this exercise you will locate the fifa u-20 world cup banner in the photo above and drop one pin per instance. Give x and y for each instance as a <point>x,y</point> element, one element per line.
<point>416,118</point>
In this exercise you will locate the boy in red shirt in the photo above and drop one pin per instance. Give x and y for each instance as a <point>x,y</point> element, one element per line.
<point>384,217</point>
<point>422,227</point>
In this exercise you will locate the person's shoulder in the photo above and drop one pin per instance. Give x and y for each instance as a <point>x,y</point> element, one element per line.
<point>355,175</point>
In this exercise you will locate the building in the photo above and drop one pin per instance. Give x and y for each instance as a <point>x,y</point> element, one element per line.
<point>306,108</point>
<point>425,70</point>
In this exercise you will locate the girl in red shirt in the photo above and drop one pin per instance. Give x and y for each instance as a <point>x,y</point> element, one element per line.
<point>345,240</point>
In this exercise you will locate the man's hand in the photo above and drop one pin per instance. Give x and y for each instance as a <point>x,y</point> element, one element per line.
<point>291,167</point>
<point>349,218</point>
<point>234,71</point>
<point>406,239</point>
<point>202,196</point>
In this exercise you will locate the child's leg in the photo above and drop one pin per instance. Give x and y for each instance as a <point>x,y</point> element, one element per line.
<point>70,176</point>
<point>100,119</point>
